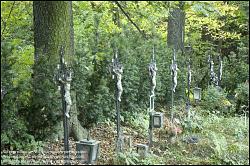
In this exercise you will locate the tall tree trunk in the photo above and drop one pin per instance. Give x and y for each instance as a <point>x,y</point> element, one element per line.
<point>175,38</point>
<point>53,28</point>
<point>176,23</point>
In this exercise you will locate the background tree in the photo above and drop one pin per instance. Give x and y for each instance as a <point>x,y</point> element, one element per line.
<point>176,24</point>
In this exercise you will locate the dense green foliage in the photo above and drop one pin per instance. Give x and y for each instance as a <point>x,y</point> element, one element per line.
<point>242,97</point>
<point>209,26</point>
<point>215,99</point>
<point>16,68</point>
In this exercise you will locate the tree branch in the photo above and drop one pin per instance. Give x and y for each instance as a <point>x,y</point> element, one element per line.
<point>126,14</point>
<point>5,22</point>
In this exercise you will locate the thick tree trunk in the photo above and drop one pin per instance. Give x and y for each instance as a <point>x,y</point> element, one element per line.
<point>53,28</point>
<point>176,22</point>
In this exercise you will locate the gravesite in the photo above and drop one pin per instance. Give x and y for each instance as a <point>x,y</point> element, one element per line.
<point>124,82</point>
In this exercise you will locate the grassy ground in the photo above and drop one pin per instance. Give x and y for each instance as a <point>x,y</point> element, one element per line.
<point>221,140</point>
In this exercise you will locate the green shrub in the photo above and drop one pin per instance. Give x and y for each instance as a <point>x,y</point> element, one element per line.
<point>228,139</point>
<point>215,100</point>
<point>16,137</point>
<point>194,123</point>
<point>127,158</point>
<point>229,152</point>
<point>242,97</point>
<point>137,121</point>
<point>133,158</point>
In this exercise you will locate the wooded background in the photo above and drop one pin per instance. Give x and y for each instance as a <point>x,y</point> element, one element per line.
<point>32,32</point>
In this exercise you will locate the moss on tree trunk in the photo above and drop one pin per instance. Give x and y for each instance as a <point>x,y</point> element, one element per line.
<point>53,28</point>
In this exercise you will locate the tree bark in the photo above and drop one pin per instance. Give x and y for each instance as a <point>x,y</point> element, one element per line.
<point>53,28</point>
<point>176,23</point>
